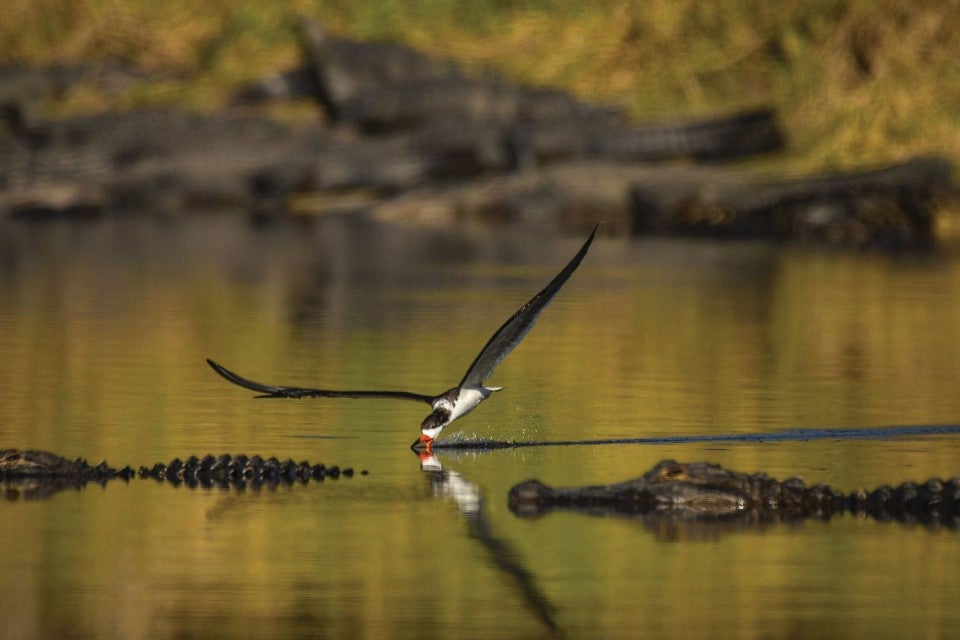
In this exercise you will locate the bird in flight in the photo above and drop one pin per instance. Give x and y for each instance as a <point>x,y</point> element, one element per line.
<point>461,399</point>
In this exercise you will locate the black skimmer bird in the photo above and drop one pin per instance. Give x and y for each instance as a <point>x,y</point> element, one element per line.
<point>460,400</point>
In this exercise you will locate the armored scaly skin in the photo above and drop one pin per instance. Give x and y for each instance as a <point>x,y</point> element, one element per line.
<point>40,473</point>
<point>703,491</point>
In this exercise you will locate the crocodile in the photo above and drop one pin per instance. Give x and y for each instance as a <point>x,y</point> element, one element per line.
<point>702,491</point>
<point>384,89</point>
<point>34,474</point>
<point>892,205</point>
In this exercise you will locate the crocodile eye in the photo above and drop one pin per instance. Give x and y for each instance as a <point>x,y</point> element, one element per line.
<point>673,470</point>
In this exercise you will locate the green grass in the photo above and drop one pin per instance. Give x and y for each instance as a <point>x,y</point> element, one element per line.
<point>857,82</point>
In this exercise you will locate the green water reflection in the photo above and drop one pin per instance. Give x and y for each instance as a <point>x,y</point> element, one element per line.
<point>103,334</point>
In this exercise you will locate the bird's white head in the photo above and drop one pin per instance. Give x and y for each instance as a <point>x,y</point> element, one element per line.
<point>434,423</point>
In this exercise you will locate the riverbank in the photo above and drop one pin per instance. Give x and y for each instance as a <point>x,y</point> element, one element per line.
<point>856,84</point>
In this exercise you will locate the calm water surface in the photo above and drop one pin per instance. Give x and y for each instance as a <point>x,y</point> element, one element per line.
<point>104,329</point>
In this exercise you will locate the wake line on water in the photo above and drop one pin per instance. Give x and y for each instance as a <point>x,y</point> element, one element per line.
<point>786,435</point>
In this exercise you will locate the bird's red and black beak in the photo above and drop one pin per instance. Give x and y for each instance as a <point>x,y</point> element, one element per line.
<point>422,443</point>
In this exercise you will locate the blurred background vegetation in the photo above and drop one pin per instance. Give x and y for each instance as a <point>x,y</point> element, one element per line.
<point>856,81</point>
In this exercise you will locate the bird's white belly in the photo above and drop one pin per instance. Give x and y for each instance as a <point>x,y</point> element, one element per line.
<point>467,401</point>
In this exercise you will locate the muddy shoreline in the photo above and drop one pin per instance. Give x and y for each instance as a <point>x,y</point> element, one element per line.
<point>404,137</point>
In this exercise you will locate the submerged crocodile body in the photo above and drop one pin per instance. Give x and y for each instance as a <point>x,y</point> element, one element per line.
<point>33,474</point>
<point>704,491</point>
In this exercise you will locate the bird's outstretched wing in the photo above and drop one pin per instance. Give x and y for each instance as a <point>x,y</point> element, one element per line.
<point>513,330</point>
<point>271,391</point>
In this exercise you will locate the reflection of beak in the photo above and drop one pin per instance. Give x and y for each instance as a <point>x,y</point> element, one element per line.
<point>422,443</point>
<point>429,462</point>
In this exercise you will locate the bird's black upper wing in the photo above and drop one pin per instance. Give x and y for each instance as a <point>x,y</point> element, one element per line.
<point>272,391</point>
<point>513,330</point>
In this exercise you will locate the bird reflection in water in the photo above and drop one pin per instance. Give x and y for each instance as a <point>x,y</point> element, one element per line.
<point>450,485</point>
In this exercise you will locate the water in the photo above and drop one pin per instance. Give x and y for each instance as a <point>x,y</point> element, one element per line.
<point>693,350</point>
